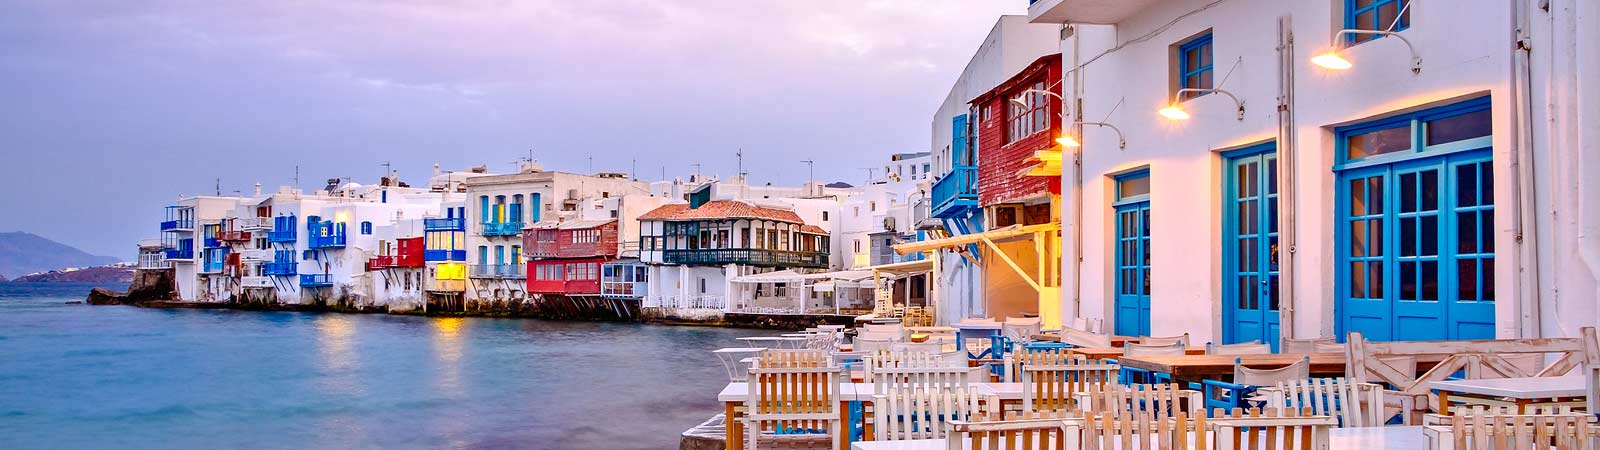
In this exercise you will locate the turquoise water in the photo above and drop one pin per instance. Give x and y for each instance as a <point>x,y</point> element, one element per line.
<point>104,377</point>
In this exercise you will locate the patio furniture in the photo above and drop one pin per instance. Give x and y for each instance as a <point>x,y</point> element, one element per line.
<point>1226,396</point>
<point>736,360</point>
<point>1141,376</point>
<point>1168,340</point>
<point>1011,366</point>
<point>793,398</point>
<point>1287,345</point>
<point>1143,431</point>
<point>913,412</point>
<point>971,331</point>
<point>1051,390</point>
<point>1010,434</point>
<point>1517,394</point>
<point>1243,348</point>
<point>1117,400</point>
<point>1484,431</point>
<point>1269,430</point>
<point>1354,404</point>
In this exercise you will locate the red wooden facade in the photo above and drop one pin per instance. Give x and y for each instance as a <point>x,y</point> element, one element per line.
<point>566,276</point>
<point>1003,151</point>
<point>407,254</point>
<point>565,258</point>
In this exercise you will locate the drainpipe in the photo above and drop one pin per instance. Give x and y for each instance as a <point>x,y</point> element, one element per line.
<point>1524,226</point>
<point>1286,179</point>
<point>1077,177</point>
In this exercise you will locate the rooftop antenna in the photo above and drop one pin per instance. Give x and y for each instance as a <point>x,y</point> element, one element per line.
<point>811,170</point>
<point>696,171</point>
<point>870,172</point>
<point>388,169</point>
<point>219,187</point>
<point>591,164</point>
<point>740,154</point>
<point>296,176</point>
<point>633,170</point>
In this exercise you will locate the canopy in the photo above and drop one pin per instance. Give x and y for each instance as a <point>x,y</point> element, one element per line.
<point>781,276</point>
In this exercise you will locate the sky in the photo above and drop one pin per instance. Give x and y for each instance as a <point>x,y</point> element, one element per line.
<point>110,110</point>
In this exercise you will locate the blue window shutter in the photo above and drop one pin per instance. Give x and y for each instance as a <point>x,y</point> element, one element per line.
<point>958,140</point>
<point>537,205</point>
<point>483,208</point>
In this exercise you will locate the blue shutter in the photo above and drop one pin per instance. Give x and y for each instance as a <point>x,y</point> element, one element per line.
<point>958,140</point>
<point>537,205</point>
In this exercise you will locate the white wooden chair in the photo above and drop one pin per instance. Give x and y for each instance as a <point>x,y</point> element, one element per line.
<point>1052,390</point>
<point>1269,430</point>
<point>912,412</point>
<point>871,344</point>
<point>1172,348</point>
<point>1144,431</point>
<point>1014,434</point>
<point>1167,340</point>
<point>1354,404</point>
<point>1118,400</point>
<point>1543,431</point>
<point>924,347</point>
<point>1304,346</point>
<point>791,402</point>
<point>1243,348</point>
<point>1020,329</point>
<point>1013,362</point>
<point>1081,338</point>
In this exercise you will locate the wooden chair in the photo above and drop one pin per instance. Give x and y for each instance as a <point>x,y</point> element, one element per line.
<point>1169,340</point>
<point>870,344</point>
<point>1243,348</point>
<point>1144,431</point>
<point>910,412</point>
<point>1354,404</point>
<point>1118,400</point>
<point>1485,432</point>
<point>1374,362</point>
<point>1303,346</point>
<point>793,358</point>
<point>1269,430</point>
<point>1012,364</point>
<point>1052,390</point>
<point>1013,434</point>
<point>1140,376</point>
<point>1081,338</point>
<point>1480,410</point>
<point>1019,329</point>
<point>1230,395</point>
<point>792,403</point>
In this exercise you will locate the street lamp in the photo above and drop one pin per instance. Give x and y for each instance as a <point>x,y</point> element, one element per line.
<point>1175,112</point>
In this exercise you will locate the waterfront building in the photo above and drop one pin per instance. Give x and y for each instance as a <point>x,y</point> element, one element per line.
<point>1407,170</point>
<point>564,258</point>
<point>188,236</point>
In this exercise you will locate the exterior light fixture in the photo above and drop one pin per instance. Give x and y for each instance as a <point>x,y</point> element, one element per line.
<point>1020,102</point>
<point>1334,61</point>
<point>1175,112</point>
<point>1066,140</point>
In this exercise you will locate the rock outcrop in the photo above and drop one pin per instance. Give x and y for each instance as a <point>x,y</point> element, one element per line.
<point>148,285</point>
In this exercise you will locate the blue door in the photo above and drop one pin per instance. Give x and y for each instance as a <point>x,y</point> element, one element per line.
<point>1414,232</point>
<point>1250,248</point>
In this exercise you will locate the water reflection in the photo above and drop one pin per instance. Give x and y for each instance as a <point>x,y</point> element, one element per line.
<point>447,351</point>
<point>339,366</point>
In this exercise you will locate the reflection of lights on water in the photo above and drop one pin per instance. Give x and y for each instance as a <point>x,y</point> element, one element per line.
<point>447,347</point>
<point>340,367</point>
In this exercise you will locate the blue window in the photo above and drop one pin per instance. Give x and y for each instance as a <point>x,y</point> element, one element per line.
<point>1131,265</point>
<point>483,209</point>
<point>535,207</point>
<point>1250,246</point>
<point>1194,65</point>
<point>1376,15</point>
<point>366,227</point>
<point>1414,238</point>
<point>483,255</point>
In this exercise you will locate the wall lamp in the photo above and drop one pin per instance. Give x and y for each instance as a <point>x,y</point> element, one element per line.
<point>1333,60</point>
<point>1020,102</point>
<point>1174,112</point>
<point>1066,140</point>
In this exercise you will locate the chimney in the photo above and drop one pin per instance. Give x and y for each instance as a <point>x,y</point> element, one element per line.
<point>258,189</point>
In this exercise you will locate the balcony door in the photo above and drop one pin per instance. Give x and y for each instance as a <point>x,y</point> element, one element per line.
<point>1131,257</point>
<point>1250,247</point>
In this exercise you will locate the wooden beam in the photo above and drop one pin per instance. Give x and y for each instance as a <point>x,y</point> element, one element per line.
<point>1003,234</point>
<point>1007,258</point>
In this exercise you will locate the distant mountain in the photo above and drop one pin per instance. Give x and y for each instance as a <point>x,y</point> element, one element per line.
<point>22,253</point>
<point>119,273</point>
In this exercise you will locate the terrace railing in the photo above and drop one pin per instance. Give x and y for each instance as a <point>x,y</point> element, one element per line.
<point>501,229</point>
<point>497,271</point>
<point>444,224</point>
<point>281,236</point>
<point>955,191</point>
<point>750,256</point>
<point>280,269</point>
<point>177,224</point>
<point>316,280</point>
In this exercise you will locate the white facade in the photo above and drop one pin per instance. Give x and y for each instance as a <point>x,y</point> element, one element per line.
<point>1011,45</point>
<point>1120,62</point>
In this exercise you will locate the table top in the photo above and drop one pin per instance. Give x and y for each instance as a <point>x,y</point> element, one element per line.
<point>1116,352</point>
<point>933,329</point>
<point>769,338</point>
<point>1570,385</point>
<point>1202,366</point>
<point>739,350</point>
<point>1364,438</point>
<point>1117,340</point>
<point>738,392</point>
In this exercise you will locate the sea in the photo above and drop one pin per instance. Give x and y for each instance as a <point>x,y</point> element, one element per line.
<point>77,376</point>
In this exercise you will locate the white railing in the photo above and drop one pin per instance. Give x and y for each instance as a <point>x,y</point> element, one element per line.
<point>703,301</point>
<point>252,223</point>
<point>153,261</point>
<point>256,255</point>
<point>255,282</point>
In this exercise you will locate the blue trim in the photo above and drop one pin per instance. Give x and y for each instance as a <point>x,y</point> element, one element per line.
<point>1351,11</point>
<point>1132,316</point>
<point>1418,123</point>
<point>1203,43</point>
<point>1248,315</point>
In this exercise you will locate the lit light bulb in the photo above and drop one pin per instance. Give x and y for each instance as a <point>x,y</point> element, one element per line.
<point>1331,60</point>
<point>1174,112</point>
<point>1068,141</point>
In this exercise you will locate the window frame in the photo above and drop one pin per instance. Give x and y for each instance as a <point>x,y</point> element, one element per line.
<point>1351,12</point>
<point>1204,42</point>
<point>1418,123</point>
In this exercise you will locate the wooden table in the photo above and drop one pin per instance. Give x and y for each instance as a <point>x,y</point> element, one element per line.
<point>1116,352</point>
<point>1117,340</point>
<point>734,395</point>
<point>1569,390</point>
<point>1199,367</point>
<point>1364,438</point>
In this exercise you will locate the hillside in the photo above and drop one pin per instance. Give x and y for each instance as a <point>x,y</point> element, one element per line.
<point>23,253</point>
<point>102,274</point>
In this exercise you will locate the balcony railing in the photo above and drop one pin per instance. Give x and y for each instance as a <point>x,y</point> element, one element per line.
<point>449,286</point>
<point>501,229</point>
<point>153,261</point>
<point>330,241</point>
<point>623,289</point>
<point>253,223</point>
<point>444,224</point>
<point>233,236</point>
<point>211,242</point>
<point>255,282</point>
<point>382,262</point>
<point>280,269</point>
<point>177,225</point>
<point>315,280</point>
<point>444,255</point>
<point>750,256</point>
<point>281,236</point>
<point>497,271</point>
<point>955,192</point>
<point>702,301</point>
<point>180,253</point>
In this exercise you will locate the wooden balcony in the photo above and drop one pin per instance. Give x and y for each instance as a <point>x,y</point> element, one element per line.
<point>747,256</point>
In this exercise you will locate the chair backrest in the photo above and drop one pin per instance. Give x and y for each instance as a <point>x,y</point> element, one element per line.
<point>924,347</point>
<point>894,336</point>
<point>1168,340</point>
<point>1243,348</point>
<point>1081,338</point>
<point>1269,430</point>
<point>870,344</point>
<point>883,328</point>
<point>1090,325</point>
<point>1175,348</point>
<point>920,370</point>
<point>1012,434</point>
<point>1492,358</point>
<point>822,340</point>
<point>1486,431</point>
<point>1300,370</point>
<point>1302,346</point>
<point>1051,390</point>
<point>1013,362</point>
<point>1020,329</point>
<point>1354,404</point>
<point>792,358</point>
<point>792,398</point>
<point>1118,400</point>
<point>1143,431</point>
<point>909,412</point>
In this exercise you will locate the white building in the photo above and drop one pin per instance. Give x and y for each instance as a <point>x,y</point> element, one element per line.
<point>1440,187</point>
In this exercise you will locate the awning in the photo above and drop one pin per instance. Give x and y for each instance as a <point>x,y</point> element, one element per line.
<point>1007,234</point>
<point>781,276</point>
<point>901,268</point>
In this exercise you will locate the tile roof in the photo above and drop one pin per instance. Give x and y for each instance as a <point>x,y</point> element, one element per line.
<point>813,229</point>
<point>721,209</point>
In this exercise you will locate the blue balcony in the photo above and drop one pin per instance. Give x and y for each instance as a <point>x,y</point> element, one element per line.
<point>281,236</point>
<point>279,269</point>
<point>502,229</point>
<point>956,192</point>
<point>180,253</point>
<point>497,271</point>
<point>432,255</point>
<point>177,225</point>
<point>444,224</point>
<point>315,280</point>
<point>212,242</point>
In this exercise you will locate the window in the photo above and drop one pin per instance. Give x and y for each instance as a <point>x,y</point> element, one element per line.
<point>824,216</point>
<point>1131,254</point>
<point>366,227</point>
<point>1030,117</point>
<point>1376,15</point>
<point>1194,65</point>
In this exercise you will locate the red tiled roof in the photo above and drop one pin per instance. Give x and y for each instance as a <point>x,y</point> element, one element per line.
<point>721,209</point>
<point>813,229</point>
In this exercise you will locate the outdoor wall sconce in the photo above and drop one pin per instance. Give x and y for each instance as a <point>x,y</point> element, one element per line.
<point>1334,61</point>
<point>1066,140</point>
<point>1174,112</point>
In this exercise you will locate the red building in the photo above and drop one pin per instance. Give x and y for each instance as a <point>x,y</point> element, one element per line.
<point>565,258</point>
<point>407,253</point>
<point>1013,123</point>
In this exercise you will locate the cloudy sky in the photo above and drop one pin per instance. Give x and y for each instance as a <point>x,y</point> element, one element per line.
<point>113,109</point>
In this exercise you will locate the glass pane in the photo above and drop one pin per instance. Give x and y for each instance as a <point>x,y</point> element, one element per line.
<point>1375,289</point>
<point>1408,280</point>
<point>1205,79</point>
<point>1191,60</point>
<point>1408,192</point>
<point>1458,128</point>
<point>1467,185</point>
<point>1272,255</point>
<point>1408,236</point>
<point>1247,217</point>
<point>1358,238</point>
<point>1486,219</point>
<point>1246,292</point>
<point>1272,294</point>
<point>1146,250</point>
<point>1364,21</point>
<point>1145,275</point>
<point>1375,195</point>
<point>1386,14</point>
<point>1358,197</point>
<point>1486,178</point>
<point>1488,280</point>
<point>1247,255</point>
<point>1429,190</point>
<point>1467,279</point>
<point>1373,143</point>
<point>1430,281</point>
<point>1467,232</point>
<point>1358,279</point>
<point>1272,176</point>
<point>1428,236</point>
<point>1130,187</point>
<point>1272,215</point>
<point>1205,55</point>
<point>1375,226</point>
<point>1192,82</point>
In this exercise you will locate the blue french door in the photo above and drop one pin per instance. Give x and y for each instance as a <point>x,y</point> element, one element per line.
<point>1250,248</point>
<point>1132,274</point>
<point>1417,248</point>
